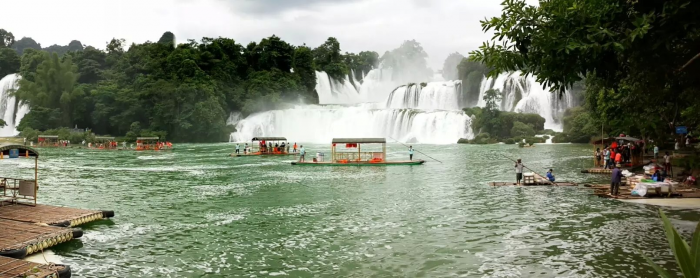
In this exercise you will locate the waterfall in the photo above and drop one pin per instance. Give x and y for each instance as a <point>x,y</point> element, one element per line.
<point>331,91</point>
<point>11,109</point>
<point>435,95</point>
<point>524,95</point>
<point>322,123</point>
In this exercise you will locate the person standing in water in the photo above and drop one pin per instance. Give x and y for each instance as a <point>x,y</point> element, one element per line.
<point>518,171</point>
<point>302,152</point>
<point>410,153</point>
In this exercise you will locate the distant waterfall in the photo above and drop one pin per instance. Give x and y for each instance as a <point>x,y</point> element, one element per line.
<point>11,110</point>
<point>435,95</point>
<point>322,123</point>
<point>525,95</point>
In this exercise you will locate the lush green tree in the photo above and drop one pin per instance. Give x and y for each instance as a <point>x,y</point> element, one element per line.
<point>304,69</point>
<point>25,43</point>
<point>328,58</point>
<point>639,58</point>
<point>449,68</point>
<point>9,62</point>
<point>6,38</point>
<point>471,73</point>
<point>30,62</point>
<point>2,123</point>
<point>61,50</point>
<point>168,38</point>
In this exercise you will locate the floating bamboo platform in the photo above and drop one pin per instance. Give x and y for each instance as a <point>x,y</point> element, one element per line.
<point>52,215</point>
<point>13,268</point>
<point>19,239</point>
<point>261,154</point>
<point>360,163</point>
<point>597,171</point>
<point>534,184</point>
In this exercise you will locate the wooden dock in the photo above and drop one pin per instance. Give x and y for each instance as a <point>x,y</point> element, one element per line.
<point>52,215</point>
<point>19,239</point>
<point>14,268</point>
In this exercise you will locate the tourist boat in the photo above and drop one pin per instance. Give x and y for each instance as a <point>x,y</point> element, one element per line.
<point>636,156</point>
<point>104,143</point>
<point>354,156</point>
<point>48,141</point>
<point>152,144</point>
<point>264,146</point>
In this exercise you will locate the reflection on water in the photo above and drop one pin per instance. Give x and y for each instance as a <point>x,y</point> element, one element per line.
<point>197,212</point>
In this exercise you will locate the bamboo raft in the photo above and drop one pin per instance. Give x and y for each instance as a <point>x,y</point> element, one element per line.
<point>360,163</point>
<point>536,181</point>
<point>52,215</point>
<point>19,239</point>
<point>13,268</point>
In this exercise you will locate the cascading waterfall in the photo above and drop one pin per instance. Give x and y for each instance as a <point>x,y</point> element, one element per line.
<point>11,110</point>
<point>523,94</point>
<point>435,95</point>
<point>321,123</point>
<point>432,115</point>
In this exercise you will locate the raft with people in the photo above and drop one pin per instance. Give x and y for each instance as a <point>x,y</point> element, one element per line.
<point>353,155</point>
<point>265,146</point>
<point>152,144</point>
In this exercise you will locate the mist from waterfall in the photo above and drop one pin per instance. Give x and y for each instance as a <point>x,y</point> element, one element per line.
<point>11,110</point>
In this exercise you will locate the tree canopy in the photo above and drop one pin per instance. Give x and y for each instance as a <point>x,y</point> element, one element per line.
<point>638,58</point>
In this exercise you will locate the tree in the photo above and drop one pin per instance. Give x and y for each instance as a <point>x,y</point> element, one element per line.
<point>168,38</point>
<point>9,62</point>
<point>61,50</point>
<point>327,58</point>
<point>522,130</point>
<point>449,68</point>
<point>25,43</point>
<point>304,69</point>
<point>6,38</point>
<point>638,56</point>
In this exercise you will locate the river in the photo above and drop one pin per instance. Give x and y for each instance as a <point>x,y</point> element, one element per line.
<point>195,212</point>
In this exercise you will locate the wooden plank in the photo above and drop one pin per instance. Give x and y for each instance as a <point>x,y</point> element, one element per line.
<point>19,239</point>
<point>50,215</point>
<point>13,268</point>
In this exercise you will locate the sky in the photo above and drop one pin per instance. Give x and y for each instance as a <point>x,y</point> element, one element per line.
<point>441,26</point>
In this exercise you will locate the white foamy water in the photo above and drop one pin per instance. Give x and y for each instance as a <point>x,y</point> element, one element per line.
<point>11,110</point>
<point>435,95</point>
<point>524,95</point>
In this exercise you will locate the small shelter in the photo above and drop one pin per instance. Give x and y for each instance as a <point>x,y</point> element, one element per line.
<point>105,142</point>
<point>355,146</point>
<point>16,190</point>
<point>147,143</point>
<point>270,145</point>
<point>47,141</point>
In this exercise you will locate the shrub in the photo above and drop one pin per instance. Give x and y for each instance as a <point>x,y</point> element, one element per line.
<point>522,129</point>
<point>510,141</point>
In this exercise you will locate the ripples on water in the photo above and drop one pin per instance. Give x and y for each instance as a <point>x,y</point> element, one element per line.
<point>197,212</point>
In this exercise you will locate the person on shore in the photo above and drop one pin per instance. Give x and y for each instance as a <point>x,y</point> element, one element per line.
<point>302,153</point>
<point>618,158</point>
<point>295,147</point>
<point>518,171</point>
<point>410,153</point>
<point>667,162</point>
<point>606,158</point>
<point>656,152</point>
<point>597,157</point>
<point>550,175</point>
<point>615,181</point>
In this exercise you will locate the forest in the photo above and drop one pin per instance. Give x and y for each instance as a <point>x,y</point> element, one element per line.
<point>179,91</point>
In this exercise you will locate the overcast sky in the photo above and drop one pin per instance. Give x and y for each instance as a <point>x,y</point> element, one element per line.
<point>441,26</point>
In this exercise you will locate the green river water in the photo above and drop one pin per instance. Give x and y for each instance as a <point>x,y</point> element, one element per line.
<point>195,212</point>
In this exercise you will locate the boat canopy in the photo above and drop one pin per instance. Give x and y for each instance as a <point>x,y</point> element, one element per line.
<point>103,138</point>
<point>48,136</point>
<point>269,139</point>
<point>616,139</point>
<point>147,138</point>
<point>5,149</point>
<point>359,140</point>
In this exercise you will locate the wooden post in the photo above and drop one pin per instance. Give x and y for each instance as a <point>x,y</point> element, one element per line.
<point>36,177</point>
<point>359,153</point>
<point>384,152</point>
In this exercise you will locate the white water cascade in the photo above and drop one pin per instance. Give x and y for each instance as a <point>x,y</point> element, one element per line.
<point>524,95</point>
<point>408,114</point>
<point>11,110</point>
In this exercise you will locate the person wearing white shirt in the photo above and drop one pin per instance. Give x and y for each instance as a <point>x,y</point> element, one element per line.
<point>518,171</point>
